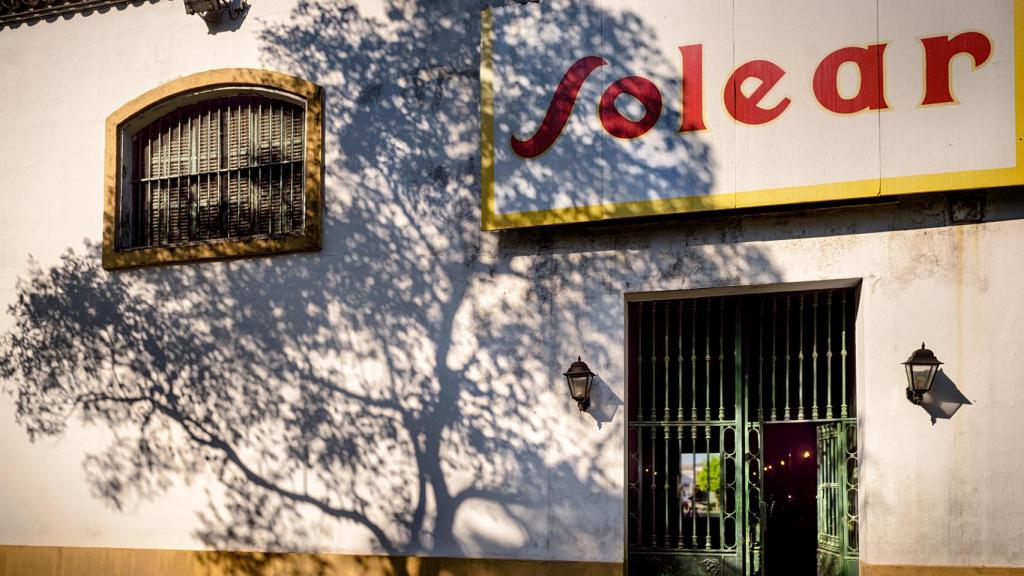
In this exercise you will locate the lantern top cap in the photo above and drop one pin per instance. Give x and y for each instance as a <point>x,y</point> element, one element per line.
<point>923,356</point>
<point>578,368</point>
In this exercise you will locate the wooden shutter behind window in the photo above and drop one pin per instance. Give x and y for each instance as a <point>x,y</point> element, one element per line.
<point>226,168</point>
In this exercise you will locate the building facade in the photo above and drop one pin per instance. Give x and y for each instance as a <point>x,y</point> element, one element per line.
<point>339,370</point>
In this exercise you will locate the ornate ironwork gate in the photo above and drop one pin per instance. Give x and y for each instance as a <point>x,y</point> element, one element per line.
<point>705,375</point>
<point>837,498</point>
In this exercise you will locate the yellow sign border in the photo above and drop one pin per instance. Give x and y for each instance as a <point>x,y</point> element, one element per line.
<point>963,180</point>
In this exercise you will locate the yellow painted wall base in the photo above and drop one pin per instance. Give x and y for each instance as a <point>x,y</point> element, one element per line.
<point>66,561</point>
<point>910,570</point>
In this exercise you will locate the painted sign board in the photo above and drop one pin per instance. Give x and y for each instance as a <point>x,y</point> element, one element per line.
<point>602,109</point>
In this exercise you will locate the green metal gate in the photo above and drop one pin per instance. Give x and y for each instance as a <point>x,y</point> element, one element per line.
<point>837,499</point>
<point>705,375</point>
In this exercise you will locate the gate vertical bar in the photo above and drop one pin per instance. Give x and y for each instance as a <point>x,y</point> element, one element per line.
<point>842,315</point>
<point>693,417</point>
<point>707,419</point>
<point>828,357</point>
<point>721,359</point>
<point>841,494</point>
<point>707,361</point>
<point>680,416</point>
<point>775,318</point>
<point>814,359</point>
<point>654,362</point>
<point>640,431</point>
<point>800,364</point>
<point>668,416</point>
<point>739,442</point>
<point>668,410</point>
<point>786,409</point>
<point>654,488</point>
<point>760,361</point>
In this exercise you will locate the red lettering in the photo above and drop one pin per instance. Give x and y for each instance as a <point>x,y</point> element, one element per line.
<point>693,88</point>
<point>559,110</point>
<point>745,108</point>
<point>645,92</point>
<point>871,93</point>
<point>939,51</point>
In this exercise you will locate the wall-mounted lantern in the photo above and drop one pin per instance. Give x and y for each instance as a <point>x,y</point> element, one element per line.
<point>579,378</point>
<point>214,10</point>
<point>921,368</point>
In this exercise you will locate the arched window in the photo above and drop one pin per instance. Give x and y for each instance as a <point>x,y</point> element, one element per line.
<point>219,164</point>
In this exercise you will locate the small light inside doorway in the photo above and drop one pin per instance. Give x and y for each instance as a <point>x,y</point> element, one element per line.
<point>807,454</point>
<point>782,462</point>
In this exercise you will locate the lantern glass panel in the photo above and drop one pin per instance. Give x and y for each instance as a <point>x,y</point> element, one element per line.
<point>921,376</point>
<point>578,386</point>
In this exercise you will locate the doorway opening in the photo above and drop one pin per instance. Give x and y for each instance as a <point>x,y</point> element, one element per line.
<point>790,495</point>
<point>724,394</point>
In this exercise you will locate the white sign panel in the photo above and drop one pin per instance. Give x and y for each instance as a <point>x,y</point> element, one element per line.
<point>617,108</point>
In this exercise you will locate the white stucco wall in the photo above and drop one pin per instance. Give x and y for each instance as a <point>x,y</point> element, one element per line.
<point>416,330</point>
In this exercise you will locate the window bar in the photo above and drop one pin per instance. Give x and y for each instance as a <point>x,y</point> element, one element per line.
<point>302,177</point>
<point>814,359</point>
<point>800,364</point>
<point>287,155</point>
<point>271,217</point>
<point>721,359</point>
<point>138,208</point>
<point>222,204</point>
<point>654,362</point>
<point>165,185</point>
<point>249,170</point>
<point>786,410</point>
<point>225,164</point>
<point>176,174</point>
<point>204,171</point>
<point>842,353</point>
<point>257,153</point>
<point>280,171</point>
<point>157,219</point>
<point>194,198</point>
<point>148,171</point>
<point>775,319</point>
<point>828,357</point>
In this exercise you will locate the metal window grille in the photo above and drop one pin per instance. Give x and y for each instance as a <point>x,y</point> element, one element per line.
<point>705,376</point>
<point>227,168</point>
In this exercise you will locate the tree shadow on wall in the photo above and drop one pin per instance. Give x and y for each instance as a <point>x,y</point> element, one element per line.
<point>399,378</point>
